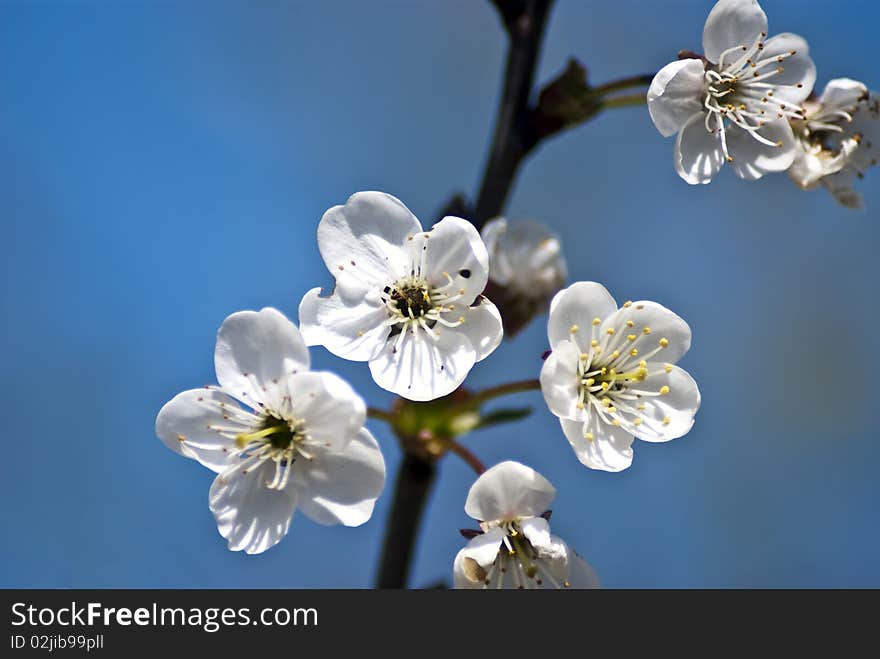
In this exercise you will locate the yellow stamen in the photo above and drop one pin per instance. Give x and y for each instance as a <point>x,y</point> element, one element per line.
<point>244,439</point>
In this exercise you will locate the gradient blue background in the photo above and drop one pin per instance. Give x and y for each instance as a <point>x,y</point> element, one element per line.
<point>165,164</point>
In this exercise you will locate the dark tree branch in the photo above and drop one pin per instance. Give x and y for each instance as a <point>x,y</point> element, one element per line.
<point>414,480</point>
<point>524,21</point>
<point>514,137</point>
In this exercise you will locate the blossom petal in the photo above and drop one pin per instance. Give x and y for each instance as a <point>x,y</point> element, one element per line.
<point>421,368</point>
<point>453,247</point>
<point>367,239</point>
<point>188,424</point>
<point>732,23</point>
<point>575,307</point>
<point>331,411</point>
<point>526,256</point>
<point>649,328</point>
<point>560,383</point>
<point>341,487</point>
<point>249,515</point>
<point>537,532</point>
<point>255,350</point>
<point>675,95</point>
<point>610,448</point>
<point>670,415</point>
<point>752,159</point>
<point>472,562</point>
<point>841,186</point>
<point>865,130</point>
<point>843,93</point>
<point>810,167</point>
<point>797,69</point>
<point>350,323</point>
<point>580,574</point>
<point>507,491</point>
<point>482,326</point>
<point>698,153</point>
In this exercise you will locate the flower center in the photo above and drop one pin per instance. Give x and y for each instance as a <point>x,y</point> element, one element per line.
<point>413,304</point>
<point>518,560</point>
<point>277,440</point>
<point>738,92</point>
<point>612,372</point>
<point>411,300</point>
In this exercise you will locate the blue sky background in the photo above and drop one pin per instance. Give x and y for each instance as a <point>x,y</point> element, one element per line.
<point>165,164</point>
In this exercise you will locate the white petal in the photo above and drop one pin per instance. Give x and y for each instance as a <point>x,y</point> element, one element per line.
<point>698,156</point>
<point>608,450</point>
<point>367,238</point>
<point>668,416</point>
<point>576,306</point>
<point>341,487</point>
<point>796,69</point>
<point>560,383</point>
<point>255,350</point>
<point>866,128</point>
<point>350,323</point>
<point>473,561</point>
<point>331,411</point>
<point>500,270</point>
<point>482,326</point>
<point>752,159</point>
<point>454,247</point>
<point>580,574</point>
<point>537,532</point>
<point>675,95</point>
<point>508,491</point>
<point>732,23</point>
<point>842,93</point>
<point>526,256</point>
<point>810,167</point>
<point>422,368</point>
<point>249,515</point>
<point>188,424</point>
<point>841,186</point>
<point>651,324</point>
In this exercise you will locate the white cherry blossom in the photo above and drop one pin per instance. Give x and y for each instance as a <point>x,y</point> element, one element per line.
<point>279,436</point>
<point>525,257</point>
<point>611,375</point>
<point>526,268</point>
<point>407,301</point>
<point>734,103</point>
<point>838,140</point>
<point>514,547</point>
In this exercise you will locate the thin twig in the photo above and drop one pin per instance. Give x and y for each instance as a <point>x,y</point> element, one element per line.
<point>503,390</point>
<point>624,83</point>
<point>381,415</point>
<point>467,455</point>
<point>624,101</point>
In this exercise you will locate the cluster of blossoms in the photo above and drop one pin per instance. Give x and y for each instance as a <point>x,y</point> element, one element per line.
<point>410,303</point>
<point>749,101</point>
<point>419,306</point>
